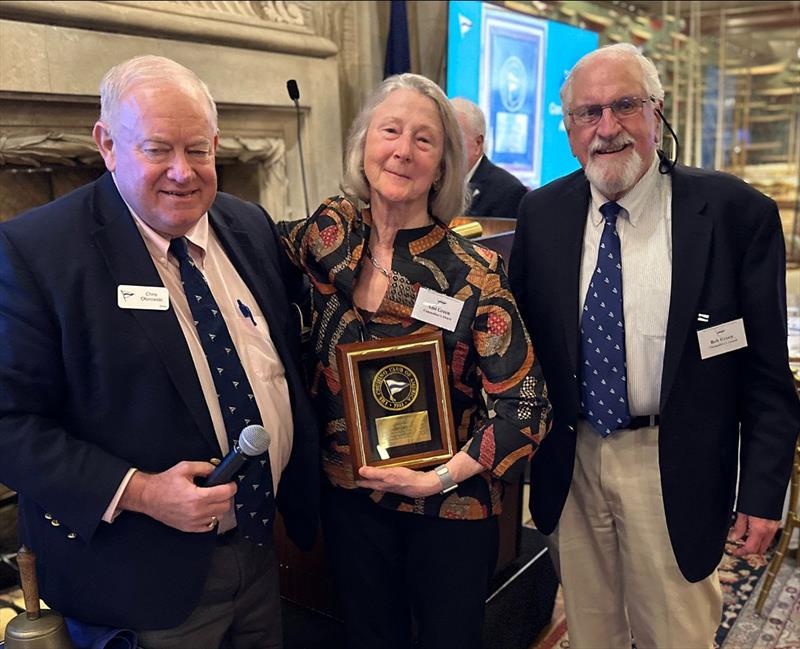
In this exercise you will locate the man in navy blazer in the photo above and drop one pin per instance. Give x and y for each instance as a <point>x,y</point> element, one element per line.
<point>105,416</point>
<point>639,510</point>
<point>494,191</point>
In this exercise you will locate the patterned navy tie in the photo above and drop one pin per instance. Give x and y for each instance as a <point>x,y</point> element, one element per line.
<point>604,387</point>
<point>254,500</point>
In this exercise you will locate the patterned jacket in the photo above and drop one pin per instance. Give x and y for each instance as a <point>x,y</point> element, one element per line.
<point>490,350</point>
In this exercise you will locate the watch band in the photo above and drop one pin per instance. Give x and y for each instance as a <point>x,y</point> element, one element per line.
<point>448,484</point>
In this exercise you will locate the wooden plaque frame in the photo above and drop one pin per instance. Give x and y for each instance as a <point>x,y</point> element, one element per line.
<point>415,367</point>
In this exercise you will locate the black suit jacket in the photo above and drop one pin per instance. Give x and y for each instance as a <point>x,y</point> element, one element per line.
<point>495,192</point>
<point>727,262</point>
<point>88,390</point>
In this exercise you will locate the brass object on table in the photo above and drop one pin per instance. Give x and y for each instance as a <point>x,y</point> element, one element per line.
<point>466,228</point>
<point>35,629</point>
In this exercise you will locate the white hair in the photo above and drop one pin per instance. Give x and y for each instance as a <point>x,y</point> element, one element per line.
<point>448,197</point>
<point>624,51</point>
<point>118,80</point>
<point>473,114</point>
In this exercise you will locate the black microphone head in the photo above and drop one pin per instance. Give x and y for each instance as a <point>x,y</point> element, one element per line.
<point>254,440</point>
<point>294,91</point>
<point>664,163</point>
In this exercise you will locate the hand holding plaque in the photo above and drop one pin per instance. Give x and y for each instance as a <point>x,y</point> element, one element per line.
<point>397,401</point>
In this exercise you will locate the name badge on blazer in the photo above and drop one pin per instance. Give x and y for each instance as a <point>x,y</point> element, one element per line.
<point>150,298</point>
<point>722,338</point>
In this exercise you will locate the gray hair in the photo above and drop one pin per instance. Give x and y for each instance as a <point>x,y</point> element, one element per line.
<point>118,80</point>
<point>650,81</point>
<point>475,117</point>
<point>449,198</point>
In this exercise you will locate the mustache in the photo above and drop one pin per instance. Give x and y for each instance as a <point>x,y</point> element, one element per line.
<point>603,144</point>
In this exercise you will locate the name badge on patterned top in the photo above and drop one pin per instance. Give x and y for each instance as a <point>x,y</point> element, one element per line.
<point>437,309</point>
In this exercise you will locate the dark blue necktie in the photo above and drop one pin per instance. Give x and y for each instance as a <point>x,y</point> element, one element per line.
<point>604,387</point>
<point>254,500</point>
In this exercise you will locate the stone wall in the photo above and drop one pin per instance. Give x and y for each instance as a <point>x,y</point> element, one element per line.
<point>53,54</point>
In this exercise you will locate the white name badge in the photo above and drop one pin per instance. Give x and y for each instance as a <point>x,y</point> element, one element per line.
<point>437,309</point>
<point>151,298</point>
<point>721,339</point>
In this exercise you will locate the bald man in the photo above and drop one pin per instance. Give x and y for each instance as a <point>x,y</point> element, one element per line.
<point>495,192</point>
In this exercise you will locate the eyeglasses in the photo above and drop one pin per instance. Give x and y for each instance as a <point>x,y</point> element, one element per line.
<point>622,108</point>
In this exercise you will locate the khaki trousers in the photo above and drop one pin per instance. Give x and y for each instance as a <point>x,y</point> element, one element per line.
<point>612,548</point>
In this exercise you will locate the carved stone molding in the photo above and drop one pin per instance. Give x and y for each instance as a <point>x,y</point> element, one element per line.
<point>270,154</point>
<point>73,149</point>
<point>271,11</point>
<point>50,148</point>
<point>53,55</point>
<point>353,27</point>
<point>280,12</point>
<point>273,25</point>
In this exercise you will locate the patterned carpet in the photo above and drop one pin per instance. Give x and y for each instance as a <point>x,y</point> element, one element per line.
<point>779,626</point>
<point>741,628</point>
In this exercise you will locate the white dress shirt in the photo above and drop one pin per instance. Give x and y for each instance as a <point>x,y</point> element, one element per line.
<point>645,232</point>
<point>258,355</point>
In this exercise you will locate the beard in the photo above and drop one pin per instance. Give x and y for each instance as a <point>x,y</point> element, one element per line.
<point>612,177</point>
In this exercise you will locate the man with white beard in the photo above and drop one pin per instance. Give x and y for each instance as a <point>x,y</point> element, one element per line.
<point>655,297</point>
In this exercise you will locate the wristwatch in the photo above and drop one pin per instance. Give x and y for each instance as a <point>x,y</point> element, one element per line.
<point>443,473</point>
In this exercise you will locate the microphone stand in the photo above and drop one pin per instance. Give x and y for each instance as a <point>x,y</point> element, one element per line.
<point>300,148</point>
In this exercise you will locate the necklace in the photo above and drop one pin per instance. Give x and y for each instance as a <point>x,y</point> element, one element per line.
<point>375,263</point>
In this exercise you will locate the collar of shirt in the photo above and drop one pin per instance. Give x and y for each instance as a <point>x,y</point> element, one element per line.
<point>471,172</point>
<point>634,202</point>
<point>197,235</point>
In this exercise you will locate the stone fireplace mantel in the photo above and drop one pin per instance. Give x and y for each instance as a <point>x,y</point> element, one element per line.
<point>53,54</point>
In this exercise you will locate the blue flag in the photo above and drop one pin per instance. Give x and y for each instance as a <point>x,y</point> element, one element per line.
<point>398,57</point>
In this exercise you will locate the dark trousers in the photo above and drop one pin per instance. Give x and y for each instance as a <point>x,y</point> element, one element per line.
<point>240,607</point>
<point>393,566</point>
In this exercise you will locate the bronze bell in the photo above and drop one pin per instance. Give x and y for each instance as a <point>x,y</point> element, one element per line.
<point>35,629</point>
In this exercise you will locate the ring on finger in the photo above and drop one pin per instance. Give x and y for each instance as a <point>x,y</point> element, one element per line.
<point>213,522</point>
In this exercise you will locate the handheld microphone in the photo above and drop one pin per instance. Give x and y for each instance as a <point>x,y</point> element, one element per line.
<point>294,95</point>
<point>666,165</point>
<point>254,440</point>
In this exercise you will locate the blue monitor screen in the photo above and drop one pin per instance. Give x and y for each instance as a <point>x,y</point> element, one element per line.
<point>512,65</point>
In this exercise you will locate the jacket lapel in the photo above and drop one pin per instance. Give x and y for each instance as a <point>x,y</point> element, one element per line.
<point>568,225</point>
<point>691,239</point>
<point>129,262</point>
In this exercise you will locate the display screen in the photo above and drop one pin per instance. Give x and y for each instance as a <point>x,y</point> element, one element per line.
<point>512,65</point>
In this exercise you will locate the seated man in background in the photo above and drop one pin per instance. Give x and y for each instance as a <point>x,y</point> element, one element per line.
<point>494,191</point>
<point>144,322</point>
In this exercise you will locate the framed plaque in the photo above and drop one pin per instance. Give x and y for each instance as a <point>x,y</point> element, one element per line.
<point>397,401</point>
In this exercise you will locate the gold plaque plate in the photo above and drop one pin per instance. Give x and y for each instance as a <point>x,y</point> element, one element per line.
<point>399,430</point>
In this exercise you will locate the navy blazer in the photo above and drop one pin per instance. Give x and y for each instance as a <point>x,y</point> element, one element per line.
<point>728,261</point>
<point>88,390</point>
<point>495,192</point>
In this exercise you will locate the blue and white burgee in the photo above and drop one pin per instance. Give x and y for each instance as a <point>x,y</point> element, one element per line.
<point>254,500</point>
<point>604,386</point>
